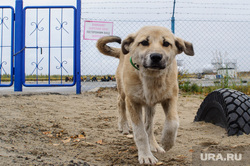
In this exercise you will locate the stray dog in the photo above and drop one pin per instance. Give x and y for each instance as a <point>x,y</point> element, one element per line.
<point>147,75</point>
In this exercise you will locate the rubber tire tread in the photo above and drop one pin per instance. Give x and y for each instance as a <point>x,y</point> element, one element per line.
<point>227,108</point>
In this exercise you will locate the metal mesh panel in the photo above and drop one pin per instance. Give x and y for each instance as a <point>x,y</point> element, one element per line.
<point>215,38</point>
<point>94,63</point>
<point>221,48</point>
<point>218,46</point>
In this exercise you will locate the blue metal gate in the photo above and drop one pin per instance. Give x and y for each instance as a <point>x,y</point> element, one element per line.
<point>47,46</point>
<point>6,46</point>
<point>50,52</point>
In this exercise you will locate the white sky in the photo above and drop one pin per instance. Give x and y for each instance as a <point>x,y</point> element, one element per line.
<point>206,37</point>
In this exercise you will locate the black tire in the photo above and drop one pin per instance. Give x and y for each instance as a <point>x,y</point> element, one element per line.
<point>227,108</point>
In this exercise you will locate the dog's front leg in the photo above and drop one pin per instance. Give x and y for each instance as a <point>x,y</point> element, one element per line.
<point>149,126</point>
<point>171,124</point>
<point>145,156</point>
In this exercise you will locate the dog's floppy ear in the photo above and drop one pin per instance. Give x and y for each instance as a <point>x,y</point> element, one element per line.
<point>126,43</point>
<point>185,46</point>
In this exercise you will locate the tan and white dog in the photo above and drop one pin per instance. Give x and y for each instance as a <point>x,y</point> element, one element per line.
<point>147,75</point>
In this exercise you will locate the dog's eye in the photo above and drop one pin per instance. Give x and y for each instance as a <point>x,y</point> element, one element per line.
<point>145,43</point>
<point>166,44</point>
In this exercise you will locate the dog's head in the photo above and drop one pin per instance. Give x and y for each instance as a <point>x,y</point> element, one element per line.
<point>154,48</point>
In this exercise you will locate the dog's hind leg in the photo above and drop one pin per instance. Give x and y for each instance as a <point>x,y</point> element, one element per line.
<point>149,125</point>
<point>123,126</point>
<point>171,124</point>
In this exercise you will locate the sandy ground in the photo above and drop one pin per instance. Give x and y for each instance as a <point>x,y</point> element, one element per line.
<point>56,129</point>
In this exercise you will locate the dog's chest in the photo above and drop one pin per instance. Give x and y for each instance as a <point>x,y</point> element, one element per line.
<point>155,91</point>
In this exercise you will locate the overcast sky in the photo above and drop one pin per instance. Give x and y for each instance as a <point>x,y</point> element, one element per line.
<point>228,33</point>
<point>230,38</point>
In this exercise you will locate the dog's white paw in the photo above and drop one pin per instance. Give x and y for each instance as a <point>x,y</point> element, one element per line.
<point>157,148</point>
<point>123,128</point>
<point>147,159</point>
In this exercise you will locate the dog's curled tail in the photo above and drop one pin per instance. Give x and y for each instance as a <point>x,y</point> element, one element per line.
<point>107,50</point>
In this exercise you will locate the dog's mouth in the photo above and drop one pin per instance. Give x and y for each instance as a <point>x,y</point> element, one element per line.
<point>155,67</point>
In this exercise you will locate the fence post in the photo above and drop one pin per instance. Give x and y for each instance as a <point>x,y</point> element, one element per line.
<point>18,45</point>
<point>78,48</point>
<point>173,19</point>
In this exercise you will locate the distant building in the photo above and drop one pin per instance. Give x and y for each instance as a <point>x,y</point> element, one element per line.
<point>230,72</point>
<point>224,67</point>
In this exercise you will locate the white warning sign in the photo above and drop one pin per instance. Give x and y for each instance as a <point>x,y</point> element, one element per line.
<point>94,30</point>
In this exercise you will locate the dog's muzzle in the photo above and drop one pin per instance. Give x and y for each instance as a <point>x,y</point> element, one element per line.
<point>155,62</point>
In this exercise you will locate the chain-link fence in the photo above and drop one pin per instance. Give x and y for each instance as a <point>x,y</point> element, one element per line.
<point>97,65</point>
<point>221,49</point>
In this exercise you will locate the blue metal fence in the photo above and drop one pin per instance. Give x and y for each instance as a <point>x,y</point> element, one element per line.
<point>6,46</point>
<point>50,41</point>
<point>47,46</point>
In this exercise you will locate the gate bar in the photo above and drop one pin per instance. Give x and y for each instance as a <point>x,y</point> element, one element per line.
<point>78,48</point>
<point>19,45</point>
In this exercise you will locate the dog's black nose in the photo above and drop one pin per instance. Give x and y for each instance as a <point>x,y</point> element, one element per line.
<point>156,57</point>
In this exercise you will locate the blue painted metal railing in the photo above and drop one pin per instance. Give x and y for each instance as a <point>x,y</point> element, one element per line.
<point>19,46</point>
<point>34,57</point>
<point>78,47</point>
<point>6,45</point>
<point>55,60</point>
